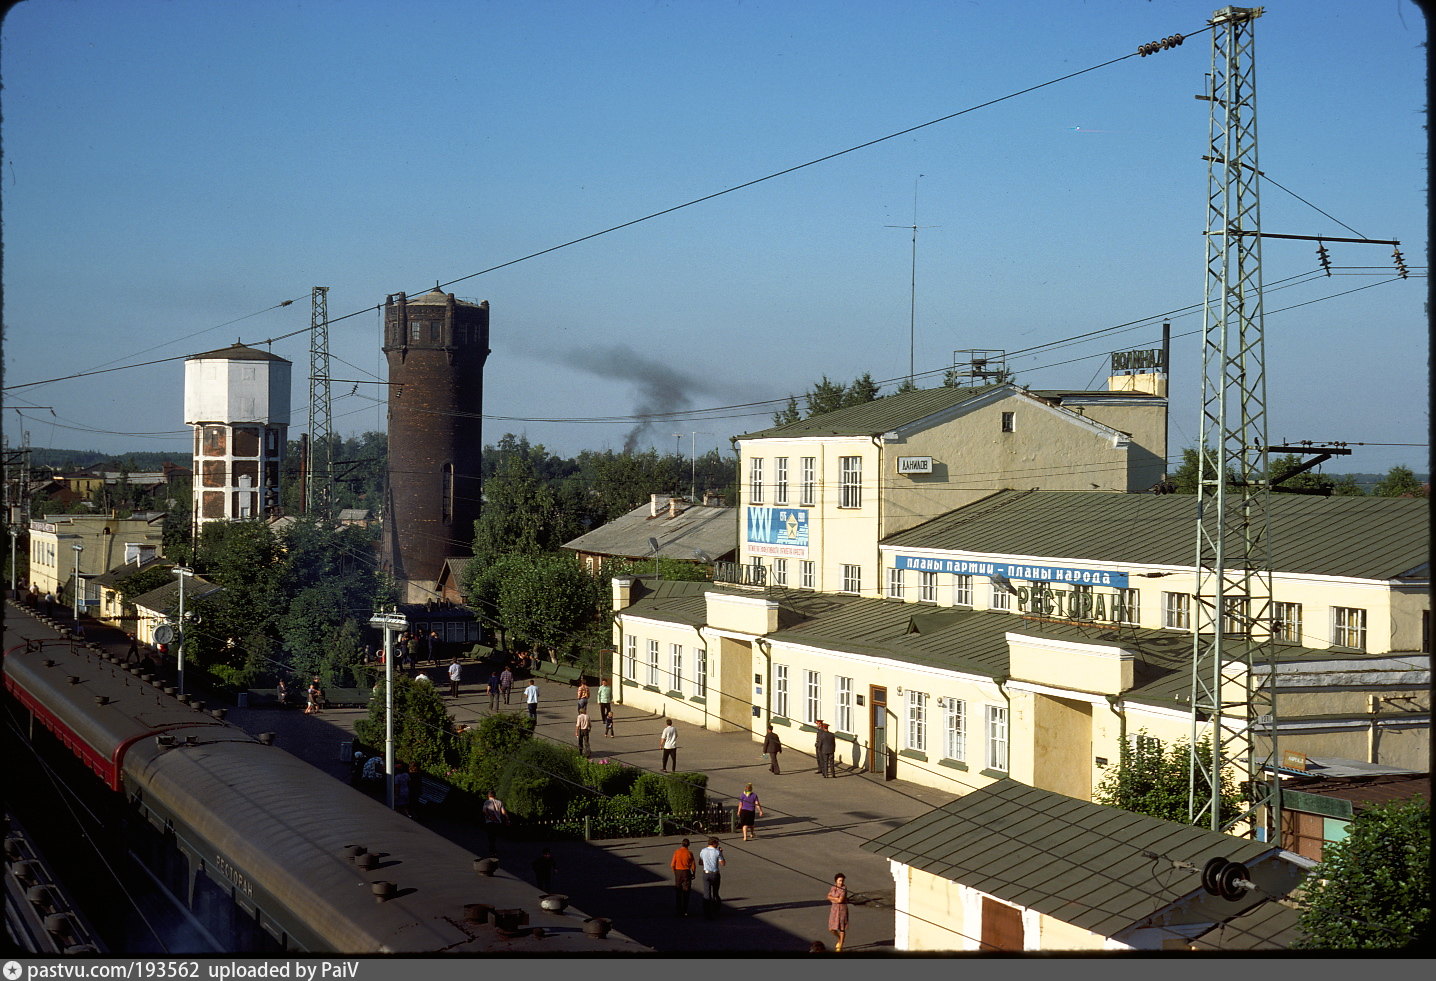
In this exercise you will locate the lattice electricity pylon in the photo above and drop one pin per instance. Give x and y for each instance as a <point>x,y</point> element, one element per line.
<point>319,468</point>
<point>1233,703</point>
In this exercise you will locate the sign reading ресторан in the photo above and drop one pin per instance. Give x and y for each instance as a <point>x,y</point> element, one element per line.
<point>1014,570</point>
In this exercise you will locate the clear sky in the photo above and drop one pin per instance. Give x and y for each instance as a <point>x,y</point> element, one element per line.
<point>172,167</point>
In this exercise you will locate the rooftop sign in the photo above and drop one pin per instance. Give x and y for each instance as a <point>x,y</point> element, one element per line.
<point>1014,570</point>
<point>777,531</point>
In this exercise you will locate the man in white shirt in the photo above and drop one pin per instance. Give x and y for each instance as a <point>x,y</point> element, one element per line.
<point>669,742</point>
<point>531,694</point>
<point>454,671</point>
<point>711,860</point>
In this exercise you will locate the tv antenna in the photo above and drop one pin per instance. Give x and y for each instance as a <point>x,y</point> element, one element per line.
<point>912,297</point>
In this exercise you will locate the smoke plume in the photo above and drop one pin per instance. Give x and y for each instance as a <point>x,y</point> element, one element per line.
<point>661,387</point>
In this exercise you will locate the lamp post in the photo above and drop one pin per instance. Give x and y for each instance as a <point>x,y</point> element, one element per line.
<point>693,466</point>
<point>389,622</point>
<point>183,573</point>
<point>13,570</point>
<point>78,549</point>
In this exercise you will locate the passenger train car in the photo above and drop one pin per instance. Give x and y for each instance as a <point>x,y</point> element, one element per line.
<point>266,852</point>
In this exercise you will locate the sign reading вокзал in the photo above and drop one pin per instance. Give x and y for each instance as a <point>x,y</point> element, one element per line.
<point>778,531</point>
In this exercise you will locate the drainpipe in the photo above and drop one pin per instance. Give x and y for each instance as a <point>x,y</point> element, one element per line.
<point>704,643</point>
<point>1371,748</point>
<point>767,649</point>
<point>1007,696</point>
<point>878,494</point>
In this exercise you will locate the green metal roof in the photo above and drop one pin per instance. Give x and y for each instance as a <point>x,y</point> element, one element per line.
<point>1377,538</point>
<point>878,416</point>
<point>1099,868</point>
<point>972,642</point>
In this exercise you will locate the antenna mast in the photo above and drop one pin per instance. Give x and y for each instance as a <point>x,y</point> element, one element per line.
<point>1233,675</point>
<point>912,293</point>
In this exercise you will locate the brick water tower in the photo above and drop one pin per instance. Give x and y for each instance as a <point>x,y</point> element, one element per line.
<point>237,401</point>
<point>436,346</point>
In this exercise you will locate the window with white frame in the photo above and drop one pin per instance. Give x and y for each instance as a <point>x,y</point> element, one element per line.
<point>653,663</point>
<point>809,489</point>
<point>843,706</point>
<point>917,720</point>
<point>850,481</point>
<point>780,480</point>
<point>1236,615</point>
<point>675,667</point>
<point>1009,422</point>
<point>755,480</point>
<point>852,579</point>
<point>1348,627</point>
<point>1001,597</point>
<point>630,651</point>
<point>1177,611</point>
<point>780,690</point>
<point>756,572</point>
<point>812,697</point>
<point>700,681</point>
<point>927,587</point>
<point>954,729</point>
<point>805,573</point>
<point>1129,607</point>
<point>997,737</point>
<point>780,572</point>
<point>1286,622</point>
<point>895,583</point>
<point>961,590</point>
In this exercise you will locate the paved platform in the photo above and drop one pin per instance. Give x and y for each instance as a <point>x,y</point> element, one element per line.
<point>773,887</point>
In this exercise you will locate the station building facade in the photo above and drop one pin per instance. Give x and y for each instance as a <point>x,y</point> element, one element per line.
<point>1018,633</point>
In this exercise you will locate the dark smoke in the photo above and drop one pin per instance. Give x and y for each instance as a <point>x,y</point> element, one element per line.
<point>661,386</point>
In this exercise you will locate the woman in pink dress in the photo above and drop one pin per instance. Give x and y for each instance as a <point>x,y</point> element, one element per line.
<point>838,910</point>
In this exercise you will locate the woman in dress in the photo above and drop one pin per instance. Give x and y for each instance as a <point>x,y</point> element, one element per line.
<point>838,910</point>
<point>748,808</point>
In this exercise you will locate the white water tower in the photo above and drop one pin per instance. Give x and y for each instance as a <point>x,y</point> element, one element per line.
<point>237,401</point>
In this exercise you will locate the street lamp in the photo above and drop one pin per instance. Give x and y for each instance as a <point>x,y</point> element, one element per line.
<point>78,549</point>
<point>693,466</point>
<point>389,622</point>
<point>13,588</point>
<point>183,573</point>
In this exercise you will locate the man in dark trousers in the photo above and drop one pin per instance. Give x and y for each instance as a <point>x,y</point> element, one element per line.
<point>682,864</point>
<point>826,748</point>
<point>772,746</point>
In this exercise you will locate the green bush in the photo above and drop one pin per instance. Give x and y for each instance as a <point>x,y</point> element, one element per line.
<point>539,781</point>
<point>608,779</point>
<point>489,747</point>
<point>686,792</point>
<point>423,730</point>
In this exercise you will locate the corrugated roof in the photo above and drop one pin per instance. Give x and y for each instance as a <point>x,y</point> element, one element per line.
<point>1376,538</point>
<point>165,599</point>
<point>878,416</point>
<point>1090,865</point>
<point>696,528</point>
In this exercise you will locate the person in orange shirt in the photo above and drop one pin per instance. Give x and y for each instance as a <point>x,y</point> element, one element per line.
<point>683,866</point>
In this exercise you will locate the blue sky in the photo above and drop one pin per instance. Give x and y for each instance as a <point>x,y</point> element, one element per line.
<point>171,167</point>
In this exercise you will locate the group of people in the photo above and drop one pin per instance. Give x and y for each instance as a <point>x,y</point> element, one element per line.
<point>408,780</point>
<point>413,647</point>
<point>710,863</point>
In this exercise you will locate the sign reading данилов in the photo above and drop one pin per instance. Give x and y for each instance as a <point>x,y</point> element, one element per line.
<point>1014,570</point>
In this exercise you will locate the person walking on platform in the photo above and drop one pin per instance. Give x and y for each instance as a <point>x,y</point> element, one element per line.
<point>683,865</point>
<point>772,746</point>
<point>668,741</point>
<point>495,817</point>
<point>582,695</point>
<point>494,686</point>
<point>712,860</point>
<point>454,671</point>
<point>506,683</point>
<point>605,706</point>
<point>531,697</point>
<point>581,730</point>
<point>749,808</point>
<point>838,910</point>
<point>827,748</point>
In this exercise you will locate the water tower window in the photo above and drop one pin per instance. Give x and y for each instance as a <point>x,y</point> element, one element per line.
<point>246,441</point>
<point>214,441</point>
<point>434,326</point>
<point>447,492</point>
<point>271,441</point>
<point>416,329</point>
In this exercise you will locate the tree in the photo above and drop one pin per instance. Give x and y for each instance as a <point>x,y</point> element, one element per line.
<point>548,599</point>
<point>827,396</point>
<point>521,514</point>
<point>789,413</point>
<point>1400,482</point>
<point>1155,781</point>
<point>1372,891</point>
<point>423,729</point>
